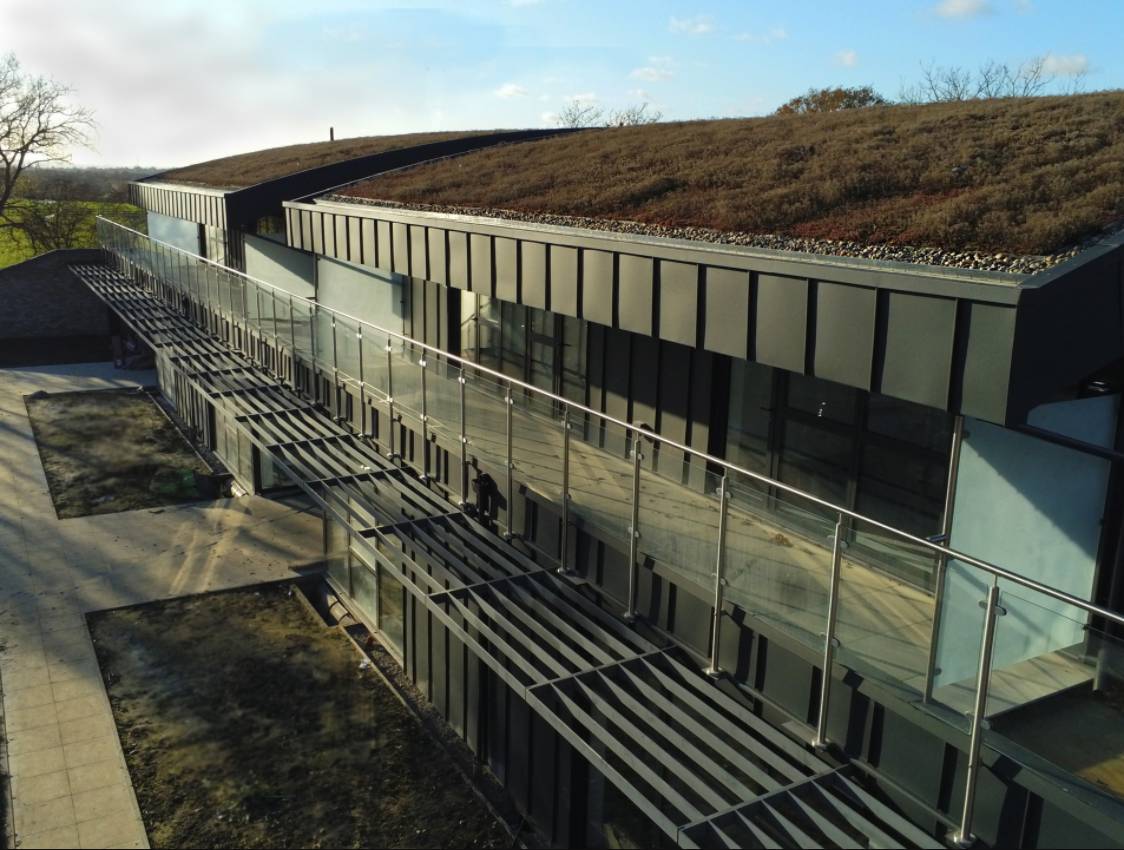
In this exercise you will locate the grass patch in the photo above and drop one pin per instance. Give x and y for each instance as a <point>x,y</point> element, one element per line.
<point>246,722</point>
<point>1022,176</point>
<point>14,247</point>
<point>111,451</point>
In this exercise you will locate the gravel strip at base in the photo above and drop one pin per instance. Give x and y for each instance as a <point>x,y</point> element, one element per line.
<point>976,260</point>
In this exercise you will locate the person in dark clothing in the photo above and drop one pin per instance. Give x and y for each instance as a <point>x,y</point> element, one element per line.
<point>487,498</point>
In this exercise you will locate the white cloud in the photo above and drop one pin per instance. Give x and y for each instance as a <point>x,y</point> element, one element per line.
<point>651,73</point>
<point>1024,7</point>
<point>639,94</point>
<point>963,8</point>
<point>1067,66</point>
<point>847,58</point>
<point>697,25</point>
<point>584,97</point>
<point>510,90</point>
<point>658,68</point>
<point>548,118</point>
<point>768,37</point>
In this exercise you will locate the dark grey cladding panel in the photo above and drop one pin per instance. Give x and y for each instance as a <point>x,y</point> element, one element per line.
<point>438,264</point>
<point>845,319</point>
<point>987,361</point>
<point>920,339</point>
<point>384,245</point>
<point>782,321</point>
<point>480,257</point>
<point>635,299</point>
<point>458,259</point>
<point>318,233</point>
<point>306,230</point>
<point>597,287</point>
<point>329,225</point>
<point>354,240</point>
<point>564,280</point>
<point>532,273</point>
<point>728,295</point>
<point>679,302</point>
<point>343,249</point>
<point>400,236</point>
<point>419,267</point>
<point>507,269</point>
<point>369,252</point>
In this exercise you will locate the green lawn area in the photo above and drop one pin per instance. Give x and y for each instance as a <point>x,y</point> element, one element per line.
<point>14,247</point>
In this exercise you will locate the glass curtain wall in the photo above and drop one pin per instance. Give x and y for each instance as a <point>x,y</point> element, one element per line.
<point>538,347</point>
<point>881,456</point>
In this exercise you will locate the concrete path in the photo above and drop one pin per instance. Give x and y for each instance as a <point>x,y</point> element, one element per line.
<point>69,784</point>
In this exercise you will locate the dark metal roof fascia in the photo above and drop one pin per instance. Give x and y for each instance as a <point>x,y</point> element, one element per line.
<point>996,287</point>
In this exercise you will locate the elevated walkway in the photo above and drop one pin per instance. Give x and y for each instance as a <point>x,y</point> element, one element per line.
<point>698,762</point>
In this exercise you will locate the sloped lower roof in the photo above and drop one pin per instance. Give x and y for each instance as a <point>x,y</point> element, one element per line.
<point>248,169</point>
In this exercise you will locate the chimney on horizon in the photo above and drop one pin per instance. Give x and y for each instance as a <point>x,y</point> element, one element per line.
<point>331,134</point>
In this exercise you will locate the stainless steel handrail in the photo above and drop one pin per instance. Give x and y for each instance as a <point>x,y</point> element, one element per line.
<point>939,550</point>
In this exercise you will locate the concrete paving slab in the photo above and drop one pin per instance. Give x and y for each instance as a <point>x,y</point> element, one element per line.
<point>70,787</point>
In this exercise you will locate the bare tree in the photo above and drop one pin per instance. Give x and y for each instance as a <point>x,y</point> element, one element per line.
<point>939,84</point>
<point>38,125</point>
<point>579,113</point>
<point>633,116</point>
<point>55,218</point>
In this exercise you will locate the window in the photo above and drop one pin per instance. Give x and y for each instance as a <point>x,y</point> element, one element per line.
<point>822,399</point>
<point>575,359</point>
<point>816,460</point>
<point>751,414</point>
<point>883,457</point>
<point>534,346</point>
<point>904,466</point>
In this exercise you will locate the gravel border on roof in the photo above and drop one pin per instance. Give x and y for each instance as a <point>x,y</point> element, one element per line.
<point>978,260</point>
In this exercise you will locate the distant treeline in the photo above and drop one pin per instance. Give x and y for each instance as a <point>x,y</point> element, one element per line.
<point>80,184</point>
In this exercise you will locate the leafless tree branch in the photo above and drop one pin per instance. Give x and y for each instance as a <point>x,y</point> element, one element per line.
<point>38,125</point>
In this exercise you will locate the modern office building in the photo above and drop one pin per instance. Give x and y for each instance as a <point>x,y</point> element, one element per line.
<point>693,543</point>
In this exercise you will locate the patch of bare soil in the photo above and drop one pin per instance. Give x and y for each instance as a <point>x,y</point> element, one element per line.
<point>246,722</point>
<point>111,451</point>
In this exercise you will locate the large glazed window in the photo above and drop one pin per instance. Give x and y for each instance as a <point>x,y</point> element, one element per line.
<point>751,414</point>
<point>538,347</point>
<point>881,456</point>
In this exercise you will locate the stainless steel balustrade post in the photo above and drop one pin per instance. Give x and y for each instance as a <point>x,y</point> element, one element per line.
<point>258,330</point>
<point>390,426</point>
<point>422,363</point>
<point>714,668</point>
<point>963,837</point>
<point>335,401</point>
<point>931,669</point>
<point>362,383</point>
<point>245,312</point>
<point>292,343</point>
<point>830,642</point>
<point>312,350</point>
<point>510,463</point>
<point>564,545</point>
<point>464,442</point>
<point>634,530</point>
<point>277,370</point>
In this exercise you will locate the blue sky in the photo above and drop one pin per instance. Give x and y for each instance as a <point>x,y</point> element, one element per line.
<point>176,82</point>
